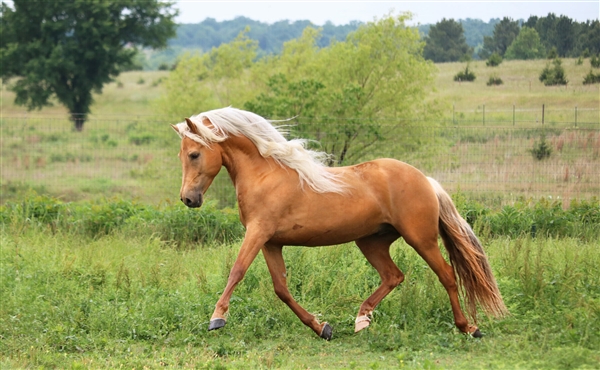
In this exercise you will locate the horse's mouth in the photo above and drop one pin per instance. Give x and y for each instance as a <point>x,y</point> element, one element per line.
<point>192,200</point>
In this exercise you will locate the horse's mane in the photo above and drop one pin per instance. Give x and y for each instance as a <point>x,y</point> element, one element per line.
<point>269,141</point>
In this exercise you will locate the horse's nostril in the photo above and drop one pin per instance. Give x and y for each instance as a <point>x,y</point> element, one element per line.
<point>188,201</point>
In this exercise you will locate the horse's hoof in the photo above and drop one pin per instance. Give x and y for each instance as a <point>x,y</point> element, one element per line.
<point>327,332</point>
<point>361,323</point>
<point>216,324</point>
<point>477,334</point>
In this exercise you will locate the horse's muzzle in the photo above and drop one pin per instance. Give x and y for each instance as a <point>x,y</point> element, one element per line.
<point>192,200</point>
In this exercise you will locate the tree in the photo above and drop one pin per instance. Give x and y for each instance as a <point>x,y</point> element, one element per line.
<point>504,34</point>
<point>557,32</point>
<point>67,49</point>
<point>527,45</point>
<point>555,75</point>
<point>446,42</point>
<point>354,93</point>
<point>202,82</point>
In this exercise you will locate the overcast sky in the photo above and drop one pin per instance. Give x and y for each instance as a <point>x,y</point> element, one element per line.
<point>342,12</point>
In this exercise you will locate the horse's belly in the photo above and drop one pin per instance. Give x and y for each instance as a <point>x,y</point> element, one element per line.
<point>324,234</point>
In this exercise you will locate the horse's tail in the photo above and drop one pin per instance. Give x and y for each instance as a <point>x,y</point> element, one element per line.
<point>468,259</point>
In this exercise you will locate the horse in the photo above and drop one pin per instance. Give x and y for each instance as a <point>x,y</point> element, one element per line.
<point>287,196</point>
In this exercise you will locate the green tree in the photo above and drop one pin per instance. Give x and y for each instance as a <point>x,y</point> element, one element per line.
<point>446,42</point>
<point>559,32</point>
<point>504,34</point>
<point>554,75</point>
<point>356,92</point>
<point>67,49</point>
<point>527,45</point>
<point>202,82</point>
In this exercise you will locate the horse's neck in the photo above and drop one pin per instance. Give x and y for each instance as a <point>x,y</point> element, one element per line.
<point>242,160</point>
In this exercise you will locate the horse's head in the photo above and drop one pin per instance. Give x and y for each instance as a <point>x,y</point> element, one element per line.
<point>200,165</point>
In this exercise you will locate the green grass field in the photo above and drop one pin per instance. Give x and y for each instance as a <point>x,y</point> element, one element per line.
<point>136,302</point>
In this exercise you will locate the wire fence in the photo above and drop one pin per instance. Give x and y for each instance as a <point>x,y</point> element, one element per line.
<point>496,159</point>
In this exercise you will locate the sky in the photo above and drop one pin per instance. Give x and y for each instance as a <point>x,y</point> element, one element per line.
<point>342,12</point>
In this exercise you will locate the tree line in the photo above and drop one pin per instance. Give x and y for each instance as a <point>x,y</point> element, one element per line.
<point>210,33</point>
<point>538,37</point>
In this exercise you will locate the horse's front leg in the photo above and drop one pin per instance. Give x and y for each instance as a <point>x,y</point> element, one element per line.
<point>274,258</point>
<point>253,242</point>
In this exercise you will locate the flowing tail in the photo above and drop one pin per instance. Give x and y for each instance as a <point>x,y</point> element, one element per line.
<point>468,259</point>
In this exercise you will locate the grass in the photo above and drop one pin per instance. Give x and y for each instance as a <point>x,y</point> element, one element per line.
<point>123,300</point>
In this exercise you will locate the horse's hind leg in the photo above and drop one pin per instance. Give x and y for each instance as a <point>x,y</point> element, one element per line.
<point>427,247</point>
<point>376,249</point>
<point>274,258</point>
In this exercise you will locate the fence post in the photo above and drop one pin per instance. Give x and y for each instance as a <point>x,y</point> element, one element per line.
<point>543,109</point>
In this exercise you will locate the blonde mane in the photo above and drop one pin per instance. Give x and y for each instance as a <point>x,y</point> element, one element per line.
<point>269,141</point>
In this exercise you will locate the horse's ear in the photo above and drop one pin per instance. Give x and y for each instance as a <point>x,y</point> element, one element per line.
<point>176,129</point>
<point>192,126</point>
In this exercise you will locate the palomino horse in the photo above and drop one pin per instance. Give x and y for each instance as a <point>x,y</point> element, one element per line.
<point>287,196</point>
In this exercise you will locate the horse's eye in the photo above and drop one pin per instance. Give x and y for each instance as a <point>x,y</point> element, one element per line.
<point>194,155</point>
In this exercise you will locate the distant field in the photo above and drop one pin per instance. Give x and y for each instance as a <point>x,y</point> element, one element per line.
<point>522,89</point>
<point>481,145</point>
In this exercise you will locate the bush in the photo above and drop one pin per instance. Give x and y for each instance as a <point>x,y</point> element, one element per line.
<point>141,139</point>
<point>494,81</point>
<point>541,150</point>
<point>178,225</point>
<point>591,78</point>
<point>553,75</point>
<point>494,60</point>
<point>465,75</point>
<point>595,61</point>
<point>545,217</point>
<point>553,53</point>
<point>173,223</point>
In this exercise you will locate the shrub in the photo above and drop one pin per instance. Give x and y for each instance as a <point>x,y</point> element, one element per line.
<point>541,150</point>
<point>595,61</point>
<point>591,78</point>
<point>494,60</point>
<point>494,81</point>
<point>553,75</point>
<point>553,53</point>
<point>141,139</point>
<point>465,75</point>
<point>174,224</point>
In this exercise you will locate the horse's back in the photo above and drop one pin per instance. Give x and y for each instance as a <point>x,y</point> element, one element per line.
<point>403,193</point>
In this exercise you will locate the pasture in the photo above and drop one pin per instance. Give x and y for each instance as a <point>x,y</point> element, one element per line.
<point>481,144</point>
<point>129,295</point>
<point>102,267</point>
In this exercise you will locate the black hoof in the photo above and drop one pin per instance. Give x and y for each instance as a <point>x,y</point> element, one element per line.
<point>477,334</point>
<point>327,332</point>
<point>216,324</point>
